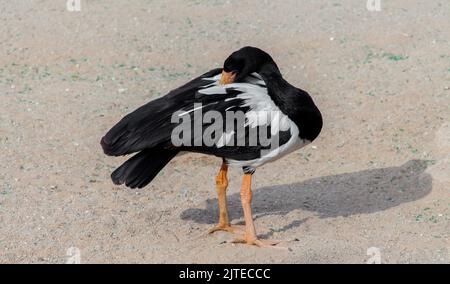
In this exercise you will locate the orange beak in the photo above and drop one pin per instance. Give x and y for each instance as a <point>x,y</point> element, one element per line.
<point>227,78</point>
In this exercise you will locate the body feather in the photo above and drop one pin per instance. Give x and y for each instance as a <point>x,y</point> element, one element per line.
<point>148,129</point>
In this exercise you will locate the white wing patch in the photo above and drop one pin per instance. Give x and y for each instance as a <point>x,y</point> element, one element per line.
<point>293,144</point>
<point>224,139</point>
<point>214,89</point>
<point>191,110</point>
<point>263,111</point>
<point>255,79</point>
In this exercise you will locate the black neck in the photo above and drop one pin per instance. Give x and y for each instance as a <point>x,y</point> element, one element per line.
<point>270,71</point>
<point>295,103</point>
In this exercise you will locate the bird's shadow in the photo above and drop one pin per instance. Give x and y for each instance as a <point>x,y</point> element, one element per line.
<point>347,194</point>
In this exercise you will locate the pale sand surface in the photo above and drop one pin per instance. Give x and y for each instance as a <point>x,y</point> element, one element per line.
<point>378,176</point>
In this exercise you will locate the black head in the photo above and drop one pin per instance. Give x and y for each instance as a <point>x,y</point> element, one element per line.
<point>247,60</point>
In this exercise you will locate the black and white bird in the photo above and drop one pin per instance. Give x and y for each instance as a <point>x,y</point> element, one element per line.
<point>278,119</point>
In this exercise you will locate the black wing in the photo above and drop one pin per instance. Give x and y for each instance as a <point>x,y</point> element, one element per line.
<point>150,125</point>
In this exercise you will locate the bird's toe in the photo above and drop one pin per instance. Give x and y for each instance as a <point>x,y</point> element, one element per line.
<point>258,243</point>
<point>234,229</point>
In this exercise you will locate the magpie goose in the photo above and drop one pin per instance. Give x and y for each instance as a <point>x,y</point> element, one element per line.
<point>277,118</point>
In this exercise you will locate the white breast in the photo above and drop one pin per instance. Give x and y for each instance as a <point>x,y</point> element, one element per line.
<point>293,144</point>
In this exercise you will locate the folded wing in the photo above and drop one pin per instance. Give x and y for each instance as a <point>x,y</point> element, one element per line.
<point>151,125</point>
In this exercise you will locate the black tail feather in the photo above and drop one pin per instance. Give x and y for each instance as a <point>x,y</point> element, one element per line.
<point>143,167</point>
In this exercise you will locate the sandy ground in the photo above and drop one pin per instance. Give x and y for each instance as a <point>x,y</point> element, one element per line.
<point>378,176</point>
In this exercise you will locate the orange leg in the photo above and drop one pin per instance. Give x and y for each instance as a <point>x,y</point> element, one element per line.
<point>221,187</point>
<point>250,237</point>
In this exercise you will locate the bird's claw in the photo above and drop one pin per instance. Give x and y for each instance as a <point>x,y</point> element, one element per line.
<point>257,242</point>
<point>234,229</point>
